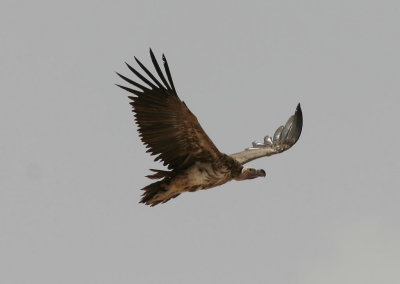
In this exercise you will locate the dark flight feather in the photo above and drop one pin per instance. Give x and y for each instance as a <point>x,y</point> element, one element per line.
<point>159,72</point>
<point>149,73</point>
<point>166,67</point>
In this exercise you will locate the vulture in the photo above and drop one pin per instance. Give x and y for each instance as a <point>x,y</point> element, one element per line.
<point>172,132</point>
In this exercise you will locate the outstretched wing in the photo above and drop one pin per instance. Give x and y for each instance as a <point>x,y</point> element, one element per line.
<point>284,138</point>
<point>166,126</point>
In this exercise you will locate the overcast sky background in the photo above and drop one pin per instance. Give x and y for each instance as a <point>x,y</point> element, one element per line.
<point>72,164</point>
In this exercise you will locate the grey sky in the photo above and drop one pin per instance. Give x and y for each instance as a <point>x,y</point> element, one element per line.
<point>71,162</point>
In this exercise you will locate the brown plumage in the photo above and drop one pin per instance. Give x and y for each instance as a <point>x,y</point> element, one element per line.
<point>171,132</point>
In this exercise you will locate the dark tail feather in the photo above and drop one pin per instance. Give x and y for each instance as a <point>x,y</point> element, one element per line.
<point>152,190</point>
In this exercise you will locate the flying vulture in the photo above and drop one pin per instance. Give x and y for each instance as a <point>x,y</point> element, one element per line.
<point>171,132</point>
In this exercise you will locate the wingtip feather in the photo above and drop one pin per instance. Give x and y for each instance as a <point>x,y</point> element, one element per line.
<point>298,108</point>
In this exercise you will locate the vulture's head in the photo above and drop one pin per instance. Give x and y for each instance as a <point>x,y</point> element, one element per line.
<point>250,173</point>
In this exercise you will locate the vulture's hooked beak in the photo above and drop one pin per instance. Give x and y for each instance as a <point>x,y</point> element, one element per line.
<point>250,173</point>
<point>261,173</point>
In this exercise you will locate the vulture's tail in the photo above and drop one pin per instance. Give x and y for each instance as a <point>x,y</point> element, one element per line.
<point>156,193</point>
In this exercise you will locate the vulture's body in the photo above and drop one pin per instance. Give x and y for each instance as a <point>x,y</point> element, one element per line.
<point>201,175</point>
<point>170,131</point>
